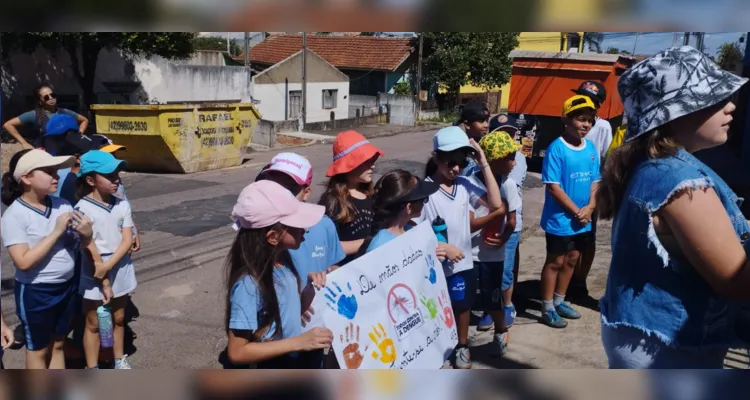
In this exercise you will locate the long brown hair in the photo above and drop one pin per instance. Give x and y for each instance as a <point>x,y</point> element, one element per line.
<point>252,255</point>
<point>41,115</point>
<point>621,164</point>
<point>391,187</point>
<point>336,198</point>
<point>12,189</point>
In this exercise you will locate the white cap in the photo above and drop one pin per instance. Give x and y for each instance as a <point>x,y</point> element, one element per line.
<point>293,165</point>
<point>36,159</point>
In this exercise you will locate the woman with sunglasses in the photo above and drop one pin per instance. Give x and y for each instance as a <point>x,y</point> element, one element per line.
<point>453,202</point>
<point>46,108</point>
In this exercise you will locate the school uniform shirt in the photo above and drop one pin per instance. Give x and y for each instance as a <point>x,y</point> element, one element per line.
<point>382,237</point>
<point>320,249</point>
<point>24,224</point>
<point>518,174</point>
<point>601,136</point>
<point>454,209</point>
<point>246,308</point>
<point>575,169</point>
<point>480,251</point>
<point>108,222</point>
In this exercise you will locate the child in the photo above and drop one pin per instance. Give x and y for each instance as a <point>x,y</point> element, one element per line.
<point>600,136</point>
<point>42,235</point>
<point>321,251</point>
<point>474,120</point>
<point>571,174</point>
<point>399,198</point>
<point>263,314</point>
<point>492,232</point>
<point>512,126</point>
<point>347,195</point>
<point>453,203</point>
<point>107,272</point>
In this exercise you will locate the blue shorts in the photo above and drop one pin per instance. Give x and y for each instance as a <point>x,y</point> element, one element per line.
<point>510,259</point>
<point>45,311</point>
<point>462,289</point>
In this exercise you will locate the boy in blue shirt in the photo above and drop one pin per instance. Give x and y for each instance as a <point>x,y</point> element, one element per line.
<point>571,175</point>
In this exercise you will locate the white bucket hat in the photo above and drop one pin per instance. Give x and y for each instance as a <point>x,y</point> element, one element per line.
<point>669,85</point>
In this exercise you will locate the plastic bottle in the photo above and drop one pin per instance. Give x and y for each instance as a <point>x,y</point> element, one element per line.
<point>493,228</point>
<point>106,334</point>
<point>440,229</point>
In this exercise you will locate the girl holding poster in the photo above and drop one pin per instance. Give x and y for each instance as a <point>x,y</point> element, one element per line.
<point>452,202</point>
<point>263,312</point>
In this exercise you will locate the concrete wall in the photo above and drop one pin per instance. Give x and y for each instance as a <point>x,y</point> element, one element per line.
<point>265,131</point>
<point>205,57</point>
<point>147,80</point>
<point>402,108</point>
<point>367,105</point>
<point>346,123</point>
<point>272,100</point>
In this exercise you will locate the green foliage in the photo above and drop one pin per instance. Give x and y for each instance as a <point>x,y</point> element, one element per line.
<point>593,40</point>
<point>454,59</point>
<point>402,87</point>
<point>216,43</point>
<point>615,50</point>
<point>729,56</point>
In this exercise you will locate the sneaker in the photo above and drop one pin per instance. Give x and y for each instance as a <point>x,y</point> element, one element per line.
<point>486,323</point>
<point>463,357</point>
<point>510,315</point>
<point>566,311</point>
<point>122,363</point>
<point>499,345</point>
<point>552,319</point>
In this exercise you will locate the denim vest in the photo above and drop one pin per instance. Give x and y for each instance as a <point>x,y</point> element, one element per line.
<point>658,293</point>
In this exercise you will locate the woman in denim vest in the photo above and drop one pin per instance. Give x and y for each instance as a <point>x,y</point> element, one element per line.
<point>680,267</point>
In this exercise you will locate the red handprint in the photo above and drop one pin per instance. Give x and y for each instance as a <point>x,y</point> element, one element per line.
<point>445,304</point>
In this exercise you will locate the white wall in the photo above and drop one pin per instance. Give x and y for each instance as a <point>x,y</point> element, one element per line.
<point>161,80</point>
<point>272,98</point>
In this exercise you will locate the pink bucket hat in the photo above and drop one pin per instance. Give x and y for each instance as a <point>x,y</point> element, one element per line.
<point>265,203</point>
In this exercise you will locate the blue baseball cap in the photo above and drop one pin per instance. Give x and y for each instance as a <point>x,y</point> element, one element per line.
<point>100,162</point>
<point>451,138</point>
<point>59,124</point>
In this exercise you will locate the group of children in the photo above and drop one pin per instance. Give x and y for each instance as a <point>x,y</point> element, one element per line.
<point>69,230</point>
<point>285,247</point>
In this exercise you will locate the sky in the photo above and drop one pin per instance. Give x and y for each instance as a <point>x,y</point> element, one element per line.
<point>650,43</point>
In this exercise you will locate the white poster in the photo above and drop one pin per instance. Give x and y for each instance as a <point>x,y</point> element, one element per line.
<point>390,308</point>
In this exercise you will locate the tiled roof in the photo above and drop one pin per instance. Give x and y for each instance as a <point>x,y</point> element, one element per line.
<point>363,52</point>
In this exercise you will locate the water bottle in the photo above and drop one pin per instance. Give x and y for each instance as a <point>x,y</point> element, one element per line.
<point>440,229</point>
<point>106,334</point>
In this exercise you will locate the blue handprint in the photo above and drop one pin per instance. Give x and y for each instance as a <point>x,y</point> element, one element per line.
<point>345,305</point>
<point>433,275</point>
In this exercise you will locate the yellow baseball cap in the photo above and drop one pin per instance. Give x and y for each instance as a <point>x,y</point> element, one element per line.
<point>577,102</point>
<point>111,148</point>
<point>497,145</point>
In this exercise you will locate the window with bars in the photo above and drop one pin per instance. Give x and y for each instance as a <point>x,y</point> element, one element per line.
<point>329,98</point>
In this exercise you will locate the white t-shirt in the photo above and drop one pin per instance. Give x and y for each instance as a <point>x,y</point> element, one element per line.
<point>509,192</point>
<point>108,220</point>
<point>24,224</point>
<point>601,135</point>
<point>454,209</point>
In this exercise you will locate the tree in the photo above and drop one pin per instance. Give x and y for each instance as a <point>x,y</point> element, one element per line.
<point>593,40</point>
<point>454,59</point>
<point>615,50</point>
<point>402,87</point>
<point>729,56</point>
<point>216,43</point>
<point>370,33</point>
<point>84,48</point>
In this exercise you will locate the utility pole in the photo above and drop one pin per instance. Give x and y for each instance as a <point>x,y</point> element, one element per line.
<point>304,80</point>
<point>686,39</point>
<point>636,43</point>
<point>419,78</point>
<point>228,48</point>
<point>247,49</point>
<point>699,41</point>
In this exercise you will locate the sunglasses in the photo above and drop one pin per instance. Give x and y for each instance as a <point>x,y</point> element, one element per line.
<point>453,159</point>
<point>49,96</point>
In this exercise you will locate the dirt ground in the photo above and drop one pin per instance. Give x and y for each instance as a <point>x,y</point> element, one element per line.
<point>7,150</point>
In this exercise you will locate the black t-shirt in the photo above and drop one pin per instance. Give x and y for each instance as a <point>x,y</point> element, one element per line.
<point>360,227</point>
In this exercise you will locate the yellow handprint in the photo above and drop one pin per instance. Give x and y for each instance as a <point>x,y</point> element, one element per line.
<point>385,345</point>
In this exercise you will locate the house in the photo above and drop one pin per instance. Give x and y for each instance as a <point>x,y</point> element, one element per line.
<point>277,90</point>
<point>528,41</point>
<point>373,64</point>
